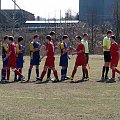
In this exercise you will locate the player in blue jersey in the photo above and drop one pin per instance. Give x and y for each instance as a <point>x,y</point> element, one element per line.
<point>64,57</point>
<point>5,63</point>
<point>20,60</point>
<point>34,56</point>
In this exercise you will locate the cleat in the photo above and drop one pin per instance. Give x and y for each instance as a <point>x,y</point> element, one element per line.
<point>23,78</point>
<point>38,79</point>
<point>3,81</point>
<point>55,81</point>
<point>102,80</point>
<point>112,80</point>
<point>107,78</point>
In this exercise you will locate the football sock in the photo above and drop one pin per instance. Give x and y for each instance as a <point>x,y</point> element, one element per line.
<point>62,73</point>
<point>15,76</point>
<point>8,74</point>
<point>48,73</point>
<point>20,70</point>
<point>86,71</point>
<point>113,73</point>
<point>83,72</point>
<point>55,74</point>
<point>103,71</point>
<point>29,74</point>
<point>116,70</point>
<point>66,72</point>
<point>43,74</point>
<point>18,73</point>
<point>37,72</point>
<point>73,73</point>
<point>107,70</point>
<point>3,74</point>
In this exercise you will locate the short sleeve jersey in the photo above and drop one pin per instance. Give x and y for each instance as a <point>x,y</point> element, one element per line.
<point>12,49</point>
<point>107,43</point>
<point>114,49</point>
<point>85,43</point>
<point>79,48</point>
<point>50,49</point>
<point>4,50</point>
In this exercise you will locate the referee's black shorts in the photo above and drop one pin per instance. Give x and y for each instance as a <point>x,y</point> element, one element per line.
<point>107,57</point>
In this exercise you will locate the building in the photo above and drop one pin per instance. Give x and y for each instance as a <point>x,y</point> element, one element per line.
<point>14,18</point>
<point>96,11</point>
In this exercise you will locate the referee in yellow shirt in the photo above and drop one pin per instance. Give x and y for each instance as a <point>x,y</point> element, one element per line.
<point>85,43</point>
<point>107,57</point>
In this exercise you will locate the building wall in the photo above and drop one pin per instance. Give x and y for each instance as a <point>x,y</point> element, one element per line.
<point>95,10</point>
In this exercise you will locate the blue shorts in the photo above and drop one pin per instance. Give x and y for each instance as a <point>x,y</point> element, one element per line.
<point>34,61</point>
<point>20,63</point>
<point>5,63</point>
<point>64,60</point>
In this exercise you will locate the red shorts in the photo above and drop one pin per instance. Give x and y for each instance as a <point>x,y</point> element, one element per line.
<point>50,62</point>
<point>80,61</point>
<point>114,61</point>
<point>12,63</point>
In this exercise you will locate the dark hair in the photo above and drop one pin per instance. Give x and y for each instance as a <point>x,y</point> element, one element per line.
<point>85,34</point>
<point>48,37</point>
<point>78,37</point>
<point>65,37</point>
<point>20,38</point>
<point>52,33</point>
<point>113,37</point>
<point>109,32</point>
<point>35,36</point>
<point>6,37</point>
<point>11,38</point>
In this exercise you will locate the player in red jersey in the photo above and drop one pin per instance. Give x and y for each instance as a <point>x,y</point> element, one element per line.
<point>49,63</point>
<point>114,52</point>
<point>12,57</point>
<point>80,59</point>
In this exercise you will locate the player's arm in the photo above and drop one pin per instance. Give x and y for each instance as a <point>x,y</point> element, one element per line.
<point>7,55</point>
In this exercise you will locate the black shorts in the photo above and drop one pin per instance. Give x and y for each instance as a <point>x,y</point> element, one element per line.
<point>107,57</point>
<point>87,57</point>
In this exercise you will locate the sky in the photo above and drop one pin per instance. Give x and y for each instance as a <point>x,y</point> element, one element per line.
<point>44,8</point>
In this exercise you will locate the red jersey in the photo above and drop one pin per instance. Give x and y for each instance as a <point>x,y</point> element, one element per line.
<point>80,60</point>
<point>50,50</point>
<point>50,55</point>
<point>114,50</point>
<point>12,58</point>
<point>79,48</point>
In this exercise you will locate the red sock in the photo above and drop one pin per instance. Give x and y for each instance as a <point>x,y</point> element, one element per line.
<point>18,73</point>
<point>86,71</point>
<point>73,73</point>
<point>43,74</point>
<point>116,70</point>
<point>8,74</point>
<point>113,73</point>
<point>55,74</point>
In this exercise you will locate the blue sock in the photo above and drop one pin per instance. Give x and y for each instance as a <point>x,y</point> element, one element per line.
<point>62,73</point>
<point>29,74</point>
<point>37,72</point>
<point>3,74</point>
<point>66,72</point>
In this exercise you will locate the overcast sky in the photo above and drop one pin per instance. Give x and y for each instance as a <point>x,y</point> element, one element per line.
<point>44,8</point>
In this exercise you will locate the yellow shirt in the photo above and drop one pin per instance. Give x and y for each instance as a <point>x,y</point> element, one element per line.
<point>85,43</point>
<point>107,43</point>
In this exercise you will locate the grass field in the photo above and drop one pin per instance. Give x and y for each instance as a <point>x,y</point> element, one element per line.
<point>61,101</point>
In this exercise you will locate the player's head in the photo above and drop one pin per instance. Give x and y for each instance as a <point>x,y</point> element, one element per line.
<point>52,34</point>
<point>11,39</point>
<point>36,38</point>
<point>85,36</point>
<point>48,39</point>
<point>109,33</point>
<point>6,38</point>
<point>78,39</point>
<point>65,38</point>
<point>20,39</point>
<point>112,38</point>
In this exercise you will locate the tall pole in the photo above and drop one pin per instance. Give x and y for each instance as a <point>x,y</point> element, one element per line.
<point>0,4</point>
<point>14,4</point>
